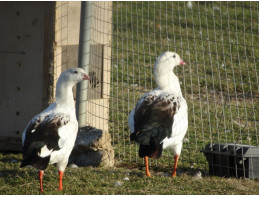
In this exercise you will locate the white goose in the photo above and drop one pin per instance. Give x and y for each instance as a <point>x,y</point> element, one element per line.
<point>50,136</point>
<point>160,118</point>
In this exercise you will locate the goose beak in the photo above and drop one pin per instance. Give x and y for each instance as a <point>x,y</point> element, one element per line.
<point>182,62</point>
<point>86,77</point>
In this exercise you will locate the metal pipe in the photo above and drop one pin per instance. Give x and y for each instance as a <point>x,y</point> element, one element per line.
<point>83,59</point>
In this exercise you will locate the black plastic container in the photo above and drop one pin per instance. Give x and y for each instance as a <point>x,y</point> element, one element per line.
<point>230,160</point>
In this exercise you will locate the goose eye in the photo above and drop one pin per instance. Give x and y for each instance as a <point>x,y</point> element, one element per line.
<point>173,56</point>
<point>75,72</point>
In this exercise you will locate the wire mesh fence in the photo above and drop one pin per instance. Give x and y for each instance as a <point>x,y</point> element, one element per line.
<point>219,43</point>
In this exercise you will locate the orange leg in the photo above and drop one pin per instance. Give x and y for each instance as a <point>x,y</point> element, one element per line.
<point>146,164</point>
<point>40,177</point>
<point>60,180</point>
<point>176,157</point>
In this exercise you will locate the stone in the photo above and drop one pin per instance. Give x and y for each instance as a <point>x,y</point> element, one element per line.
<point>118,183</point>
<point>126,179</point>
<point>92,148</point>
<point>197,175</point>
<point>186,140</point>
<point>72,165</point>
<point>14,161</point>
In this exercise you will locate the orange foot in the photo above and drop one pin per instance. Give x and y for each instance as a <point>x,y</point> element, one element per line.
<point>60,180</point>
<point>176,157</point>
<point>148,174</point>
<point>146,165</point>
<point>174,174</point>
<point>40,177</point>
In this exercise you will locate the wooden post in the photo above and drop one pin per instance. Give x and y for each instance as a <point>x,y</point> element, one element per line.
<point>26,59</point>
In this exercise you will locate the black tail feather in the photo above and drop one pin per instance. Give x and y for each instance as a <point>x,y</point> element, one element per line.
<point>133,136</point>
<point>35,161</point>
<point>153,150</point>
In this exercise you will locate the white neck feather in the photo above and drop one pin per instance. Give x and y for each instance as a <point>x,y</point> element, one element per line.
<point>167,80</point>
<point>64,94</point>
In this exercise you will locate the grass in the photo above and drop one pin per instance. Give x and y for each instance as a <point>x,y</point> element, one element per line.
<point>219,43</point>
<point>97,181</point>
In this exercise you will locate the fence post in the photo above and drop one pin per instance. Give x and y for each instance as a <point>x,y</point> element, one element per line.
<point>83,59</point>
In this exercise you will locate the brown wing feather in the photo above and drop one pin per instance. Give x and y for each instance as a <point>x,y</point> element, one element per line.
<point>40,132</point>
<point>142,111</point>
<point>154,118</point>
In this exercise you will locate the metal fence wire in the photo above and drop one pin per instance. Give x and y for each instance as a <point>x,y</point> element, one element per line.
<point>219,43</point>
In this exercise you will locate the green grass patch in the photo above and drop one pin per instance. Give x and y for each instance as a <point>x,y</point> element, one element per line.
<point>101,181</point>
